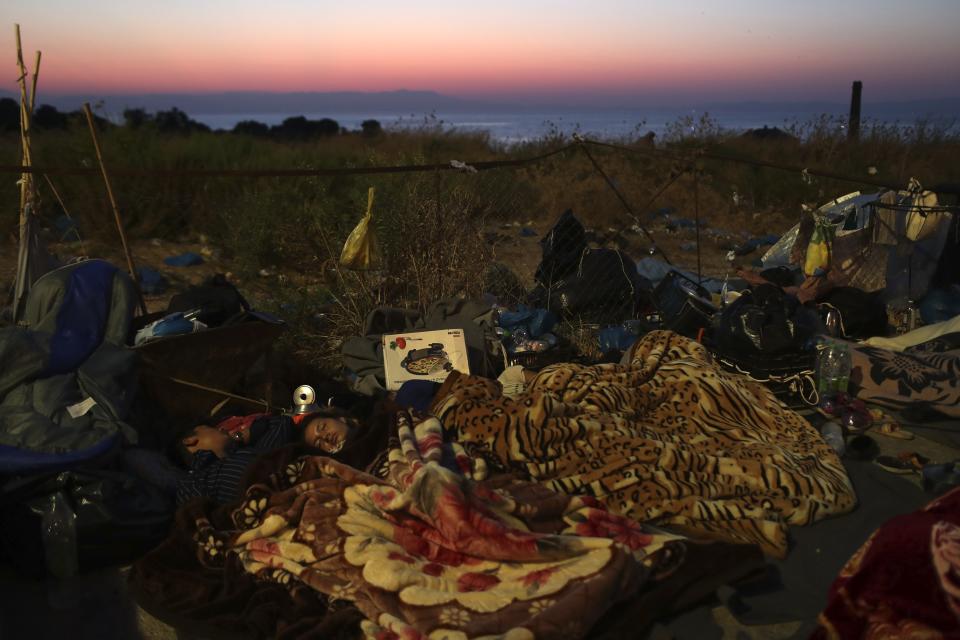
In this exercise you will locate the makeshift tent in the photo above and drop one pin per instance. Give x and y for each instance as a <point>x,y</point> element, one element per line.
<point>890,240</point>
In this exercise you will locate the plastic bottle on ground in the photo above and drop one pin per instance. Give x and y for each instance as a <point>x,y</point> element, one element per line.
<point>833,436</point>
<point>833,368</point>
<point>59,535</point>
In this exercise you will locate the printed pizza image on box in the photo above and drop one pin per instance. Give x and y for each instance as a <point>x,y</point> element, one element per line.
<point>423,355</point>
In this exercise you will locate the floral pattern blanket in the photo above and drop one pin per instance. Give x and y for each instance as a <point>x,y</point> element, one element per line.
<point>429,552</point>
<point>927,375</point>
<point>670,439</point>
<point>904,582</point>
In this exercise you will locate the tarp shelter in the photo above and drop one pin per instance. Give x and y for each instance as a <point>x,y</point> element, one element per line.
<point>891,240</point>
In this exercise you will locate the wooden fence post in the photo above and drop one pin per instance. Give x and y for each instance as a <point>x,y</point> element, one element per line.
<point>853,126</point>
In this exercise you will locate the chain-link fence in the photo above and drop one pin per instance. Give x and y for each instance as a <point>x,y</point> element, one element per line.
<point>562,229</point>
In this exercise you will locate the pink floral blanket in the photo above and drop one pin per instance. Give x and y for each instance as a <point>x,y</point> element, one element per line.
<point>429,552</point>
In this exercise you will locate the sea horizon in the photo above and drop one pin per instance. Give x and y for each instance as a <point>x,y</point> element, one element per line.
<point>511,127</point>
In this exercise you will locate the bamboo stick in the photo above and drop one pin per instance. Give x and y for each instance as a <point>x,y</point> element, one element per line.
<point>113,205</point>
<point>33,89</point>
<point>26,179</point>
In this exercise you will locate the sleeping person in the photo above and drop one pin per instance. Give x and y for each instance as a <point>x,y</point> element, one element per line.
<point>217,459</point>
<point>667,438</point>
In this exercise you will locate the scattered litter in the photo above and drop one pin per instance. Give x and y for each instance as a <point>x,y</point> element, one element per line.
<point>152,282</point>
<point>463,166</point>
<point>170,325</point>
<point>67,229</point>
<point>188,259</point>
<point>527,232</point>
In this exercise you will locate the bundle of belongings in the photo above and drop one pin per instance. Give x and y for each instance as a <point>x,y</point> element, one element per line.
<point>900,243</point>
<point>594,283</point>
<point>859,267</point>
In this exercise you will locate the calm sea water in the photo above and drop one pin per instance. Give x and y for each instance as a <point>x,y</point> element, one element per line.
<point>516,127</point>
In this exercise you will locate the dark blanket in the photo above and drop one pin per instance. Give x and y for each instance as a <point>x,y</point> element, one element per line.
<point>904,582</point>
<point>925,375</point>
<point>66,379</point>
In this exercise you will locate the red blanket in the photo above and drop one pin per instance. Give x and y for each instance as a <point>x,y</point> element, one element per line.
<point>904,582</point>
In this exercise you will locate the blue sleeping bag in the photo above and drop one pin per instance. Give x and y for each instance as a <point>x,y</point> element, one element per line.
<point>66,377</point>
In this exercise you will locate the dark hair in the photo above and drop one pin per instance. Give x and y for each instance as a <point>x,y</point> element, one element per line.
<point>176,449</point>
<point>331,412</point>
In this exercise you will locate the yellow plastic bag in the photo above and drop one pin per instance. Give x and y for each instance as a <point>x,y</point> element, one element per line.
<point>819,250</point>
<point>361,251</point>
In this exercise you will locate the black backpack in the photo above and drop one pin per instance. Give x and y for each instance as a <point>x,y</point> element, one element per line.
<point>766,335</point>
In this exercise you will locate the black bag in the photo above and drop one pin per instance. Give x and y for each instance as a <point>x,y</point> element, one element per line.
<point>862,314</point>
<point>217,299</point>
<point>684,306</point>
<point>562,248</point>
<point>764,334</point>
<point>765,320</point>
<point>118,518</point>
<point>603,287</point>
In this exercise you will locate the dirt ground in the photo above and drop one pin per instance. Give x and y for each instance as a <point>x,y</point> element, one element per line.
<point>511,246</point>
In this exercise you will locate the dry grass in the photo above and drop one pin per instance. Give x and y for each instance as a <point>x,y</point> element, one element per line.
<point>441,232</point>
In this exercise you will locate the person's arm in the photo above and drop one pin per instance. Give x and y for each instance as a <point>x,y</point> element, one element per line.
<point>220,479</point>
<point>269,433</point>
<point>195,484</point>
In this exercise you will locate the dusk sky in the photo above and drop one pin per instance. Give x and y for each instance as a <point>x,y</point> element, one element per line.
<point>729,50</point>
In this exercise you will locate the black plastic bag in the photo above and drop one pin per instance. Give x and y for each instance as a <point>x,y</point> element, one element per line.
<point>116,518</point>
<point>604,287</point>
<point>562,247</point>
<point>862,314</point>
<point>217,299</point>
<point>685,306</point>
<point>767,321</point>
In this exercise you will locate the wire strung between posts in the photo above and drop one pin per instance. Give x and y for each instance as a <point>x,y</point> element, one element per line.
<point>626,205</point>
<point>718,155</point>
<point>281,173</point>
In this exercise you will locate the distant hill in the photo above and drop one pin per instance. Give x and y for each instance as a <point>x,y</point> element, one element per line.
<point>417,102</point>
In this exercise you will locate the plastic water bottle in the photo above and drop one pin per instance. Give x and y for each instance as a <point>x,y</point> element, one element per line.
<point>58,530</point>
<point>833,368</point>
<point>833,436</point>
<point>59,533</point>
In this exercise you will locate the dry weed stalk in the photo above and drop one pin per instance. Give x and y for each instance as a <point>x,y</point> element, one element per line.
<point>434,250</point>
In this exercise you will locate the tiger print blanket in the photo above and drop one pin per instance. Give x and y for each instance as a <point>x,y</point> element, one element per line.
<point>671,439</point>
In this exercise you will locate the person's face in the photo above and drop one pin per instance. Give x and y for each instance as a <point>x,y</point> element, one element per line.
<point>207,438</point>
<point>329,434</point>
